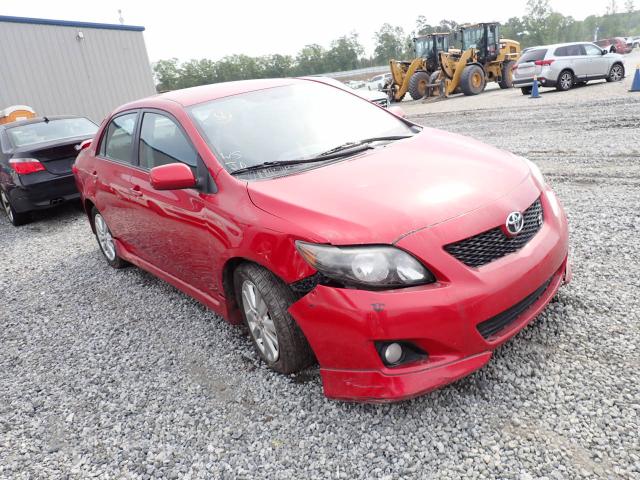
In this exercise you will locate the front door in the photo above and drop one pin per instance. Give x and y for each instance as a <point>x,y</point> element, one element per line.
<point>172,231</point>
<point>598,63</point>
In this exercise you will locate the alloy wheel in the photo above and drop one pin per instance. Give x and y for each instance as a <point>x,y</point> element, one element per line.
<point>104,238</point>
<point>616,73</point>
<point>261,326</point>
<point>6,206</point>
<point>566,80</point>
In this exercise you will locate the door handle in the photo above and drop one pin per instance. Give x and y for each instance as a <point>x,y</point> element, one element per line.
<point>135,190</point>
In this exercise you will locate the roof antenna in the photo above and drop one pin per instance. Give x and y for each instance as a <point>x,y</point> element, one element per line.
<point>120,19</point>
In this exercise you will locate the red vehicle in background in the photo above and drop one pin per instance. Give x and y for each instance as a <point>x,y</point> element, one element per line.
<point>614,45</point>
<point>396,256</point>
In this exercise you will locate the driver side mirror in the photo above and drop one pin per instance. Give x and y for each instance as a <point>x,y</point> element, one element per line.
<point>174,176</point>
<point>604,52</point>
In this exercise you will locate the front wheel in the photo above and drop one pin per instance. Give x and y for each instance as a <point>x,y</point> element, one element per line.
<point>526,90</point>
<point>14,217</point>
<point>105,240</point>
<point>565,81</point>
<point>506,77</point>
<point>472,81</point>
<point>264,300</point>
<point>418,84</point>
<point>616,74</point>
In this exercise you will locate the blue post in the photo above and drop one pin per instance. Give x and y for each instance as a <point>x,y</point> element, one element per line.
<point>635,86</point>
<point>534,90</point>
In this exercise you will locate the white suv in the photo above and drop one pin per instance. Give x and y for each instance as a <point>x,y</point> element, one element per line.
<point>567,64</point>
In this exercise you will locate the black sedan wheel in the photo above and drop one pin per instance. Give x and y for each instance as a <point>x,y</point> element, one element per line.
<point>15,218</point>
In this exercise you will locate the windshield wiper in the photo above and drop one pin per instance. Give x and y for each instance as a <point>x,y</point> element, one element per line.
<point>349,145</point>
<point>351,150</point>
<point>346,149</point>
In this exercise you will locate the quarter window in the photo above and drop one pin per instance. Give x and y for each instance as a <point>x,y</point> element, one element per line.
<point>118,140</point>
<point>162,142</point>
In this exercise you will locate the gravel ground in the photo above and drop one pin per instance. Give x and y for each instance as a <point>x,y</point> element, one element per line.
<point>109,373</point>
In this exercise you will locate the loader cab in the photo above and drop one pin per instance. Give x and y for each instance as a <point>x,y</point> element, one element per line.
<point>429,46</point>
<point>484,38</point>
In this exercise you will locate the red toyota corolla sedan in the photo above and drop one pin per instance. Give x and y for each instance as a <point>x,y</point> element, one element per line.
<point>397,256</point>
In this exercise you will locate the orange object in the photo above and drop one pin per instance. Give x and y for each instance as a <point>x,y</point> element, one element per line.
<point>15,113</point>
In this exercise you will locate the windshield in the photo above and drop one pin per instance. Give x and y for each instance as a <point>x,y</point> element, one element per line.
<point>291,122</point>
<point>43,132</point>
<point>423,45</point>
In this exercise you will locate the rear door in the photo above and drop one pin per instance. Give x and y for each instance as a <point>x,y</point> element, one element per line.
<point>115,197</point>
<point>172,229</point>
<point>579,61</point>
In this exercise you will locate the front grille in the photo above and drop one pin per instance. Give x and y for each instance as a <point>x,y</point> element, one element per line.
<point>493,244</point>
<point>490,327</point>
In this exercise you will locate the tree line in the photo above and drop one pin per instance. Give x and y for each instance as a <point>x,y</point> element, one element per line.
<point>540,25</point>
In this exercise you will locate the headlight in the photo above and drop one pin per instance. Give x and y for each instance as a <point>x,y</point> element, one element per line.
<point>537,174</point>
<point>370,266</point>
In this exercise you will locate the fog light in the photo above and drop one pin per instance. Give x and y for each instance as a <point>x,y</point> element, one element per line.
<point>393,353</point>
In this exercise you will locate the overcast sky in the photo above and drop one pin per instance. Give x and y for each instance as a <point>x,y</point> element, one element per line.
<point>213,29</point>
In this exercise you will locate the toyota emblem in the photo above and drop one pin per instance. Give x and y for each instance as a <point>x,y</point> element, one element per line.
<point>514,223</point>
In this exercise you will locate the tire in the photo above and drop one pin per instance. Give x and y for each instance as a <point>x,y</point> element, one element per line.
<point>472,81</point>
<point>14,217</point>
<point>418,84</point>
<point>506,80</point>
<point>433,78</point>
<point>616,74</point>
<point>526,90</point>
<point>274,333</point>
<point>391,95</point>
<point>565,81</point>
<point>105,241</point>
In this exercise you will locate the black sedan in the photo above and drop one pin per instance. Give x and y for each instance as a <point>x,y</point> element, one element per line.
<point>36,157</point>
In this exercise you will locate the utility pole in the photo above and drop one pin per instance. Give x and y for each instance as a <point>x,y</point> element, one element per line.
<point>595,34</point>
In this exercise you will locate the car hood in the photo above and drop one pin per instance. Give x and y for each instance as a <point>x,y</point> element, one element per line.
<point>379,196</point>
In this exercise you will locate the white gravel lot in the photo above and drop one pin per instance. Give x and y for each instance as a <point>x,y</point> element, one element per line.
<point>114,374</point>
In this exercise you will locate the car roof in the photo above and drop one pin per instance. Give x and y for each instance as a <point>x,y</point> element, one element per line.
<point>556,45</point>
<point>29,121</point>
<point>187,97</point>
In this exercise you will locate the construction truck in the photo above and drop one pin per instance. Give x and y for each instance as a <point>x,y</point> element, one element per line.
<point>414,76</point>
<point>483,57</point>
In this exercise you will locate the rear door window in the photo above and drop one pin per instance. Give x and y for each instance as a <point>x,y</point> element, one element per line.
<point>117,142</point>
<point>533,55</point>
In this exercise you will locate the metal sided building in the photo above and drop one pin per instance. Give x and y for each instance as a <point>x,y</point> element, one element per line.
<point>72,68</point>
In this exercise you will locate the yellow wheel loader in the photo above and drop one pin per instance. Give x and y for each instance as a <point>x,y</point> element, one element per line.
<point>484,57</point>
<point>414,76</point>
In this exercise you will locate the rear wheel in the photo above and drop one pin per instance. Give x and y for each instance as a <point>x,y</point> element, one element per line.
<point>418,84</point>
<point>264,300</point>
<point>506,80</point>
<point>526,90</point>
<point>15,218</point>
<point>565,81</point>
<point>472,81</point>
<point>106,242</point>
<point>616,74</point>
